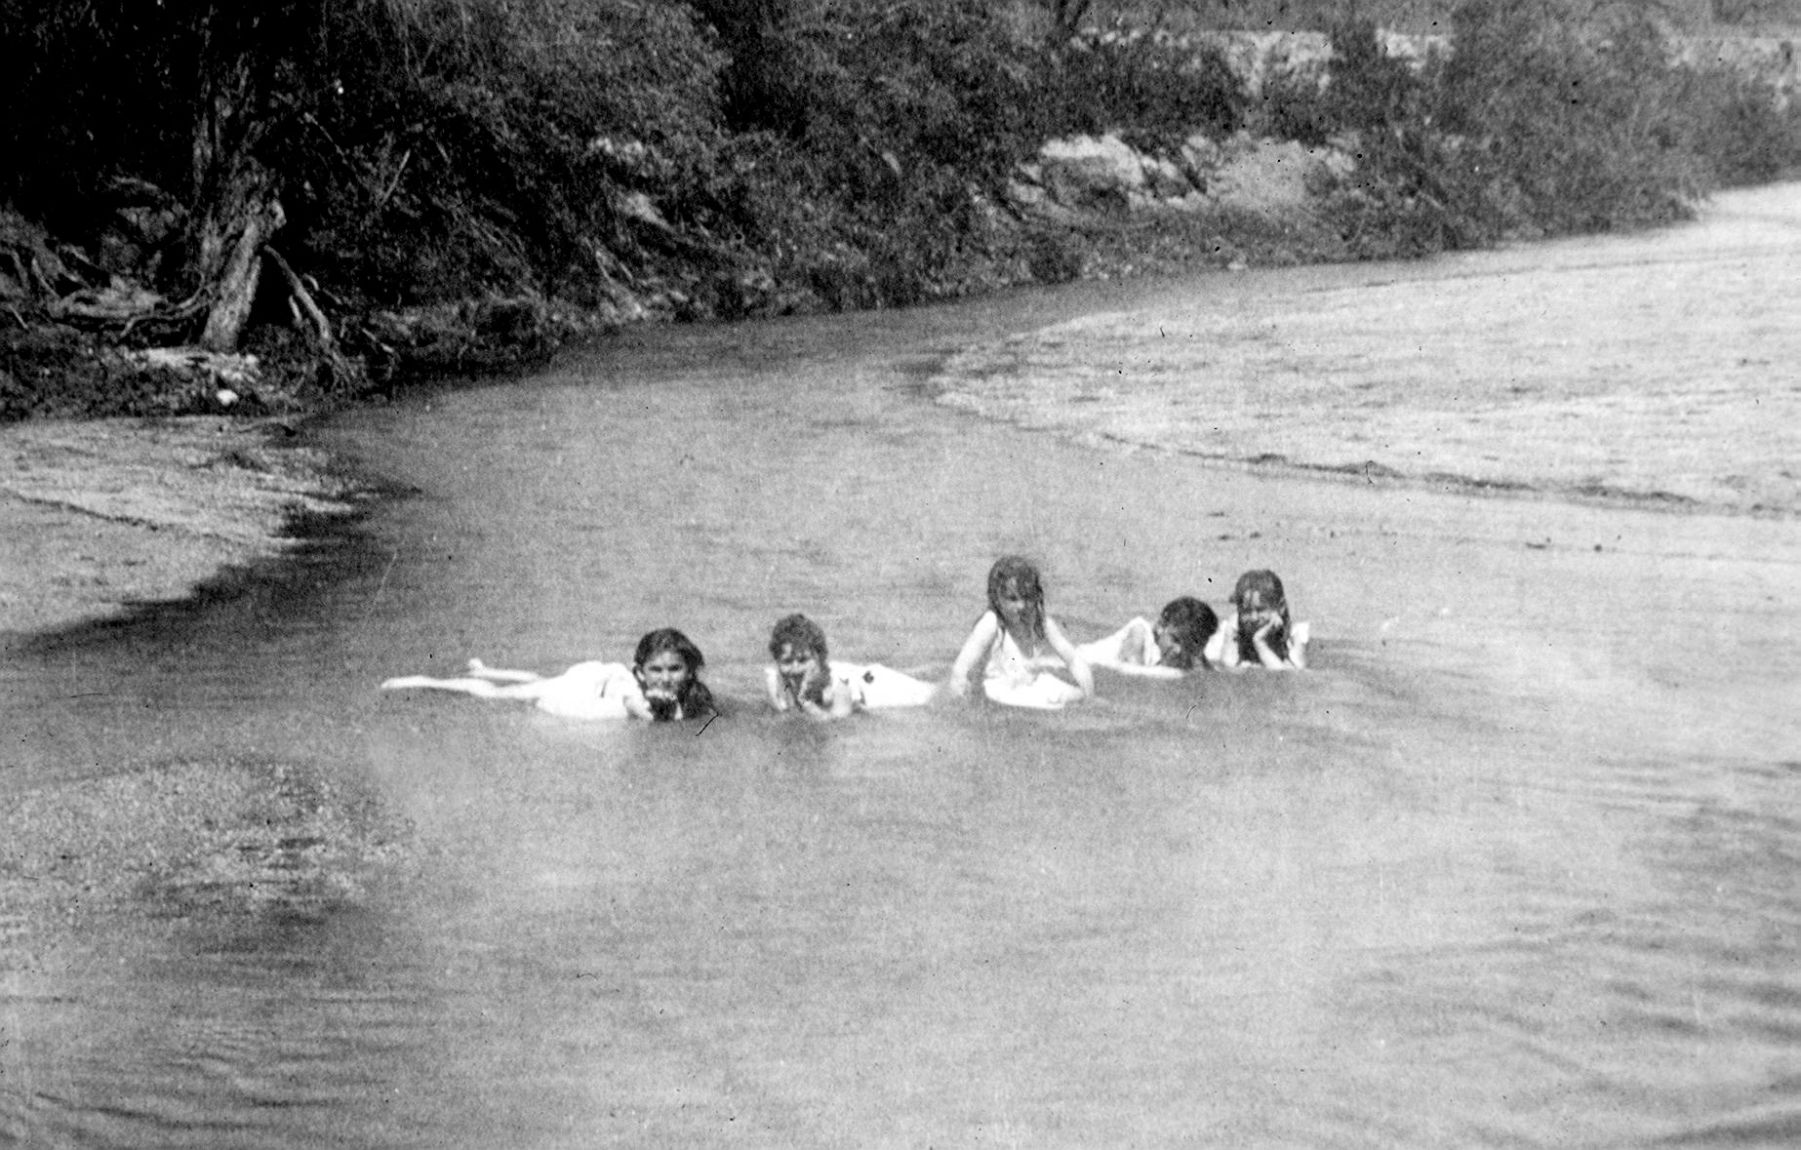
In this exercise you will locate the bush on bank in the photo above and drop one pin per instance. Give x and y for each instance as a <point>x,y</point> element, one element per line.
<point>1534,124</point>
<point>403,164</point>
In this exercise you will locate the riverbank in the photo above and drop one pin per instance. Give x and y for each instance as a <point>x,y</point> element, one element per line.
<point>106,516</point>
<point>503,184</point>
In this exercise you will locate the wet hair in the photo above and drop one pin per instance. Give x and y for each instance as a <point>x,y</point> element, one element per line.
<point>801,634</point>
<point>1023,575</point>
<point>693,699</point>
<point>1194,623</point>
<point>798,632</point>
<point>1267,588</point>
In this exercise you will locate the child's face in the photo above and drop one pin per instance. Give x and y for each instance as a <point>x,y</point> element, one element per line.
<point>664,673</point>
<point>1256,610</point>
<point>797,667</point>
<point>1169,643</point>
<point>1012,602</point>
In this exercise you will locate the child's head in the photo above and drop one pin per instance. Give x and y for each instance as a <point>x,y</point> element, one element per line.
<point>1258,594</point>
<point>1016,595</point>
<point>1182,632</point>
<point>798,634</point>
<point>1258,599</point>
<point>668,665</point>
<point>797,644</point>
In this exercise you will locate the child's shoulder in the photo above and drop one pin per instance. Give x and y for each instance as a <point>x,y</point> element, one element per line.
<point>1223,636</point>
<point>988,620</point>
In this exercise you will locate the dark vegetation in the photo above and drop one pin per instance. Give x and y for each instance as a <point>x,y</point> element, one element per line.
<point>1530,126</point>
<point>361,190</point>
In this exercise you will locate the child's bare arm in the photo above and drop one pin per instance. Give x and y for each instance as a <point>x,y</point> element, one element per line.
<point>1298,636</point>
<point>838,706</point>
<point>1222,646</point>
<point>1071,657</point>
<point>636,705</point>
<point>772,682</point>
<point>1155,671</point>
<point>974,648</point>
<point>1147,661</point>
<point>1142,642</point>
<point>843,702</point>
<point>1266,653</point>
<point>1130,645</point>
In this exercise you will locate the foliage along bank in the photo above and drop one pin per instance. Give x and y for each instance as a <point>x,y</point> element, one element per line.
<point>306,200</point>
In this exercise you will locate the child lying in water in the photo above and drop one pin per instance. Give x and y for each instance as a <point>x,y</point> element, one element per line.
<point>662,684</point>
<point>1174,645</point>
<point>1258,633</point>
<point>1017,644</point>
<point>803,679</point>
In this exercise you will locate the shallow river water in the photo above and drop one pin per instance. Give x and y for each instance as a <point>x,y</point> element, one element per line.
<point>1518,862</point>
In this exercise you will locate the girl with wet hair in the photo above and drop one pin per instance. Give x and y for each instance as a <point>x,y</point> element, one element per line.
<point>1175,644</point>
<point>1018,644</point>
<point>667,666</point>
<point>804,679</point>
<point>1258,632</point>
<point>663,684</point>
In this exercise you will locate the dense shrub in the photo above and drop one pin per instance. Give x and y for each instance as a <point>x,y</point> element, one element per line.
<point>1403,197</point>
<point>1155,89</point>
<point>1538,122</point>
<point>763,85</point>
<point>1294,105</point>
<point>1575,125</point>
<point>422,148</point>
<point>1732,123</point>
<point>97,89</point>
<point>1367,89</point>
<point>884,129</point>
<point>488,146</point>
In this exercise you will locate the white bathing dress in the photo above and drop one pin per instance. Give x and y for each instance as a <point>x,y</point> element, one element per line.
<point>1014,679</point>
<point>589,691</point>
<point>593,690</point>
<point>873,686</point>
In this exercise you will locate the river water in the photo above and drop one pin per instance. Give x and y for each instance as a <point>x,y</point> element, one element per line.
<point>1515,863</point>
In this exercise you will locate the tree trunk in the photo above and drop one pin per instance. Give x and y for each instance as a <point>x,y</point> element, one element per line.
<point>237,228</point>
<point>235,209</point>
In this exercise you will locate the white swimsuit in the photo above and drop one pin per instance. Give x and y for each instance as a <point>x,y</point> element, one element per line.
<point>1015,679</point>
<point>875,686</point>
<point>590,691</point>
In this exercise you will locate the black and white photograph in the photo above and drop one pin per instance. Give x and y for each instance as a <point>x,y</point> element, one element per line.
<point>785,574</point>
